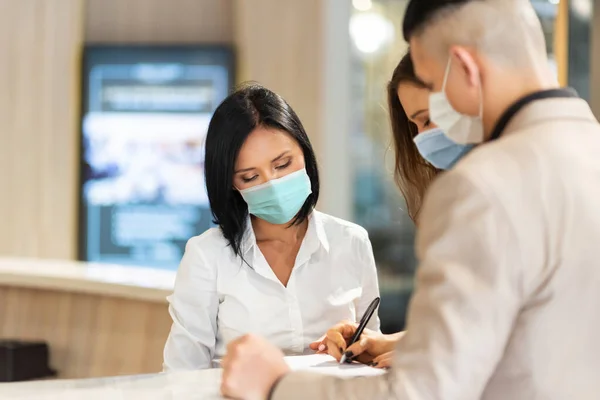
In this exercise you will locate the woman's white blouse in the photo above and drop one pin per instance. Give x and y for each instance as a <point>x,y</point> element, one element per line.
<point>218,297</point>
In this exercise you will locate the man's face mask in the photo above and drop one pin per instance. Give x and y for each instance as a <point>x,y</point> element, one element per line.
<point>460,128</point>
<point>441,152</point>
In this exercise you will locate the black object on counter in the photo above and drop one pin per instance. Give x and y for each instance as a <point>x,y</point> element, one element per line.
<point>22,361</point>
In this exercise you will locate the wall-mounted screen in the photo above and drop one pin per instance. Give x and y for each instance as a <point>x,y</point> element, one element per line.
<point>145,115</point>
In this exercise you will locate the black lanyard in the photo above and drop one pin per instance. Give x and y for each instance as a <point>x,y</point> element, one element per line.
<point>517,106</point>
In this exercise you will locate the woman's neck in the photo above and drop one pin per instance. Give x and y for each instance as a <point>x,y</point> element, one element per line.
<point>266,232</point>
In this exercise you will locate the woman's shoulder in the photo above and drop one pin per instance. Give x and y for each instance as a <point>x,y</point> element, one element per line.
<point>203,253</point>
<point>339,228</point>
<point>349,241</point>
<point>211,241</point>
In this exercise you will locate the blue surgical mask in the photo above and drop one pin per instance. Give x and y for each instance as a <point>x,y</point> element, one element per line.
<point>279,200</point>
<point>439,150</point>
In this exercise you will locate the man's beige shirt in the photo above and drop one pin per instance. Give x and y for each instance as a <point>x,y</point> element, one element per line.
<point>507,298</point>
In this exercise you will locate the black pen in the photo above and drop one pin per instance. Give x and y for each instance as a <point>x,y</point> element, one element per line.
<point>361,325</point>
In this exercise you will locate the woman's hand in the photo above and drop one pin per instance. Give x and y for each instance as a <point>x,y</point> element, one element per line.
<point>371,348</point>
<point>383,361</point>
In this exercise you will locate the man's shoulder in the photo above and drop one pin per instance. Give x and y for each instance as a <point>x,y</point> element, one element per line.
<point>521,165</point>
<point>508,159</point>
<point>533,150</point>
<point>490,170</point>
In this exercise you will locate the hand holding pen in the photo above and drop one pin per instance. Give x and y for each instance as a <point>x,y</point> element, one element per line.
<point>347,357</point>
<point>370,347</point>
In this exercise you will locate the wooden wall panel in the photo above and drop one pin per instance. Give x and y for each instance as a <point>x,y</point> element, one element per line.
<point>39,52</point>
<point>159,21</point>
<point>88,335</point>
<point>279,44</point>
<point>561,42</point>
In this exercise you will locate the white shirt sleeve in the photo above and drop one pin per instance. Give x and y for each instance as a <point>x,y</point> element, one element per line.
<point>193,307</point>
<point>370,283</point>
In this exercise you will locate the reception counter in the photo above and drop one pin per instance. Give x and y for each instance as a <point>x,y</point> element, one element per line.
<point>186,385</point>
<point>200,385</point>
<point>98,319</point>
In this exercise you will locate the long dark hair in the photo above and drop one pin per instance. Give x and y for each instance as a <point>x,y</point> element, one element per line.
<point>236,117</point>
<point>412,173</point>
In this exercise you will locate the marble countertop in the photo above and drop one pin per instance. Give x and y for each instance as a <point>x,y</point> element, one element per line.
<point>147,284</point>
<point>189,385</point>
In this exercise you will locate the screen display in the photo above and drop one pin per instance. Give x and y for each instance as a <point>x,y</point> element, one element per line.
<point>145,116</point>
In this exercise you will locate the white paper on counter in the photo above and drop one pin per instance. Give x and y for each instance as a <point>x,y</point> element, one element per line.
<point>325,364</point>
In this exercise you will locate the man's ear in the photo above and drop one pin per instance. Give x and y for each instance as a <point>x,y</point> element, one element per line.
<point>466,61</point>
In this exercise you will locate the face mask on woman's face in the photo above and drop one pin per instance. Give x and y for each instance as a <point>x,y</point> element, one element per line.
<point>441,152</point>
<point>278,200</point>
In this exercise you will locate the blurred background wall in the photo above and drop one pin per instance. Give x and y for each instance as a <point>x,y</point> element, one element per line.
<point>41,48</point>
<point>158,21</point>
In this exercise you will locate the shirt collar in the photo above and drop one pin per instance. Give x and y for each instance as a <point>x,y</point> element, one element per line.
<point>315,234</point>
<point>317,228</point>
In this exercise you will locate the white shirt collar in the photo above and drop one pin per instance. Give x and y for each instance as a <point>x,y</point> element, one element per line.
<point>315,235</point>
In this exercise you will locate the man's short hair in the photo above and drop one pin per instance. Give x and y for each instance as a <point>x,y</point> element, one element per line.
<point>420,12</point>
<point>508,31</point>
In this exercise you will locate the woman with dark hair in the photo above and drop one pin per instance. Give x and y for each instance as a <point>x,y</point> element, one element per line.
<point>274,266</point>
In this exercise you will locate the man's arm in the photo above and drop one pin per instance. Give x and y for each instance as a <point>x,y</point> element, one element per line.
<point>468,293</point>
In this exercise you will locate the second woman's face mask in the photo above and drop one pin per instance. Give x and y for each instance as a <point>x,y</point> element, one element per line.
<point>437,148</point>
<point>279,200</point>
